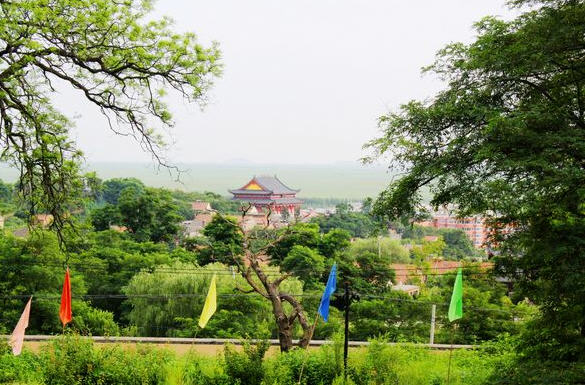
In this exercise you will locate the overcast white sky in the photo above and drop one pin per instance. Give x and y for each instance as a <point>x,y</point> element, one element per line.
<point>304,80</point>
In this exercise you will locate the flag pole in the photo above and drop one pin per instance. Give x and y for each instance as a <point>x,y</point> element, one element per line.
<point>450,355</point>
<point>313,329</point>
<point>346,331</point>
<point>322,311</point>
<point>193,340</point>
<point>455,313</point>
<point>307,347</point>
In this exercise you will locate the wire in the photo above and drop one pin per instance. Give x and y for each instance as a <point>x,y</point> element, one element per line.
<point>170,296</point>
<point>443,270</point>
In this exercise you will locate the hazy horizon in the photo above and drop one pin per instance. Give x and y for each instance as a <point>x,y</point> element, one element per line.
<point>343,180</point>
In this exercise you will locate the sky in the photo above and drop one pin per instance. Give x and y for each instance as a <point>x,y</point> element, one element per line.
<point>304,81</point>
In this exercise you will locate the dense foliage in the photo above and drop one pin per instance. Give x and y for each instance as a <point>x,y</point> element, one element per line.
<point>506,139</point>
<point>358,224</point>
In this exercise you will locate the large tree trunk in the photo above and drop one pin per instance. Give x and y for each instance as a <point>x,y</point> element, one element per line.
<point>285,329</point>
<point>285,323</point>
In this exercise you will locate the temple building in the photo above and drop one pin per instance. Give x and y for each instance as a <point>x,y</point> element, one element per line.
<point>265,192</point>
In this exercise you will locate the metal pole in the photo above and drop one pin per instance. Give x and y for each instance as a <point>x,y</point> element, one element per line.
<point>346,342</point>
<point>379,247</point>
<point>433,310</point>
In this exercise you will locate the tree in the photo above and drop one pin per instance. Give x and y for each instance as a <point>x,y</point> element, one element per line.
<point>304,262</point>
<point>367,272</point>
<point>390,249</point>
<point>397,317</point>
<point>35,266</point>
<point>110,259</point>
<point>457,244</point>
<point>104,217</point>
<point>225,241</point>
<point>334,243</point>
<point>299,234</point>
<point>249,252</point>
<point>428,250</point>
<point>118,59</point>
<point>112,188</point>
<point>150,214</point>
<point>357,224</point>
<point>505,140</point>
<point>6,198</point>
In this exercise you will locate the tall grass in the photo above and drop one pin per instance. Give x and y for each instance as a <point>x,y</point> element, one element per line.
<point>74,360</point>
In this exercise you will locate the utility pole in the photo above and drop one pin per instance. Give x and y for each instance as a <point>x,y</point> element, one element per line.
<point>346,342</point>
<point>433,310</point>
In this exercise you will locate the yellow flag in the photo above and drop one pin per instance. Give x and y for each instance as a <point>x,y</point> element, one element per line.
<point>210,305</point>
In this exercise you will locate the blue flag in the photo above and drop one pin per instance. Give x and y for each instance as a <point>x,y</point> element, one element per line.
<point>329,290</point>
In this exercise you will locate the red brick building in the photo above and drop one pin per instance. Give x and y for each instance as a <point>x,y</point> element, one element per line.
<point>474,227</point>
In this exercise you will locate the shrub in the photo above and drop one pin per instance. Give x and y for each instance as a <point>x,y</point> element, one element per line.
<point>68,360</point>
<point>377,366</point>
<point>319,367</point>
<point>71,360</point>
<point>199,371</point>
<point>25,368</point>
<point>246,367</point>
<point>89,320</point>
<point>532,372</point>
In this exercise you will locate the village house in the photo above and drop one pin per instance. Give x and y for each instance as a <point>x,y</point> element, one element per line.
<point>203,214</point>
<point>412,290</point>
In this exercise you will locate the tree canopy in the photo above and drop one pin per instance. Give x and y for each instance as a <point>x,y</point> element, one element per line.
<point>117,58</point>
<point>506,139</point>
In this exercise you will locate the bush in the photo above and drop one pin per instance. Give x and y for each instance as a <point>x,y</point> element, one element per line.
<point>377,366</point>
<point>89,320</point>
<point>246,367</point>
<point>319,367</point>
<point>71,360</point>
<point>198,371</point>
<point>532,372</point>
<point>25,368</point>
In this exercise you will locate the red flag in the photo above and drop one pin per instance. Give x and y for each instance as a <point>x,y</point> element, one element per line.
<point>65,309</point>
<point>17,337</point>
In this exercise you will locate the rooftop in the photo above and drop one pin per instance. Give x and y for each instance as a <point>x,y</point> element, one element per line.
<point>265,184</point>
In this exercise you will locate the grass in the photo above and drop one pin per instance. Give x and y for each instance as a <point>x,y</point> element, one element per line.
<point>74,360</point>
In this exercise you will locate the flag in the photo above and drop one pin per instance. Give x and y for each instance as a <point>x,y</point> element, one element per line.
<point>210,305</point>
<point>17,337</point>
<point>456,305</point>
<point>65,309</point>
<point>329,290</point>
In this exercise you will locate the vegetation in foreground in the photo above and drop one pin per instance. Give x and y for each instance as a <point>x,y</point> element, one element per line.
<point>74,360</point>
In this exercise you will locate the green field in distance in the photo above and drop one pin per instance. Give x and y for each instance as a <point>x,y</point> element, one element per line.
<point>343,180</point>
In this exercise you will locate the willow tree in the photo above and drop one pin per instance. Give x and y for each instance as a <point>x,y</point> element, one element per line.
<point>506,139</point>
<point>114,58</point>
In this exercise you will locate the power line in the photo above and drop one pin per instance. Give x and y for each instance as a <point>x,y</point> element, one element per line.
<point>426,271</point>
<point>171,296</point>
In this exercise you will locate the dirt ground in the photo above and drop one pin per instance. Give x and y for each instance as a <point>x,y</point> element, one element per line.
<point>179,349</point>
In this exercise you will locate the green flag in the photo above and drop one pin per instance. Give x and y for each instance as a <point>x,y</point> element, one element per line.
<point>456,305</point>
